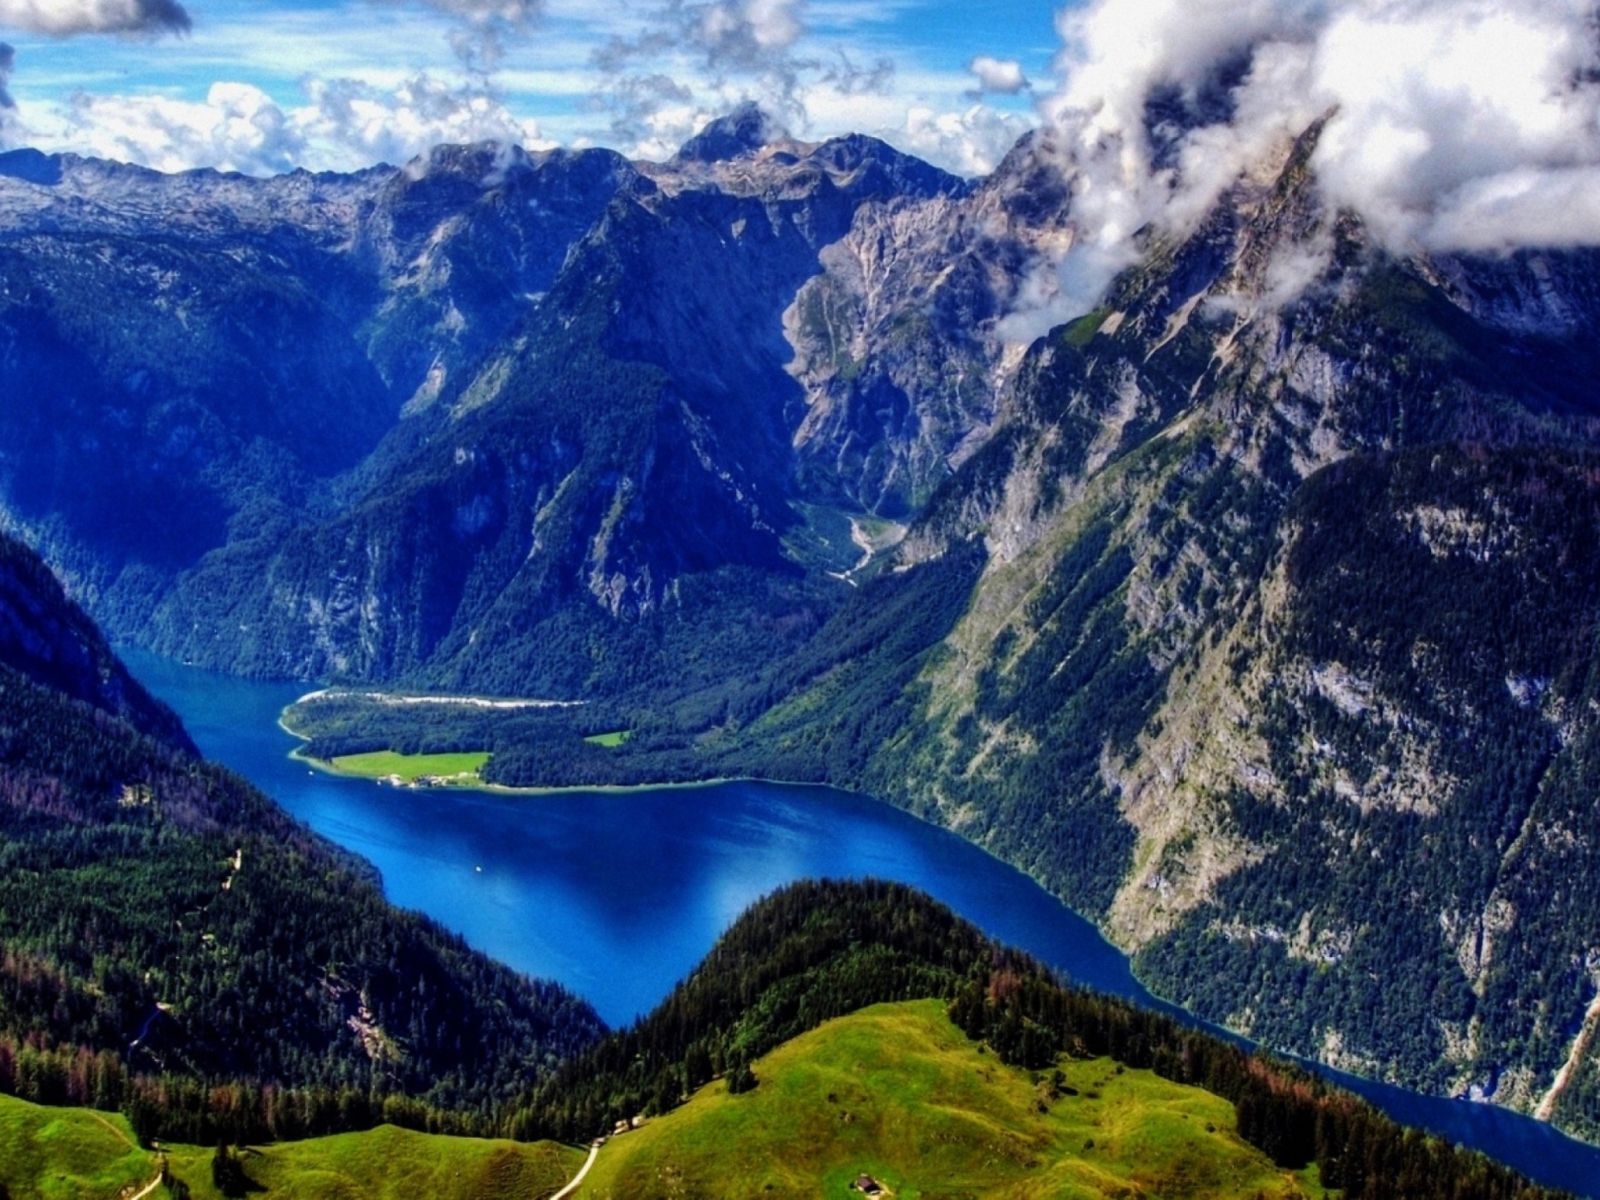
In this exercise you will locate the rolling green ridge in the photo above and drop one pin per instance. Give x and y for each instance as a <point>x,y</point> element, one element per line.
<point>820,950</point>
<point>74,1154</point>
<point>781,1065</point>
<point>897,1093</point>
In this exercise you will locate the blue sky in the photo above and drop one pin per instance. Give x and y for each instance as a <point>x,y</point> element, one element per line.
<point>264,85</point>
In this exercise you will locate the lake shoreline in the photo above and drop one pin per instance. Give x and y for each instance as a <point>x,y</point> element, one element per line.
<point>647,887</point>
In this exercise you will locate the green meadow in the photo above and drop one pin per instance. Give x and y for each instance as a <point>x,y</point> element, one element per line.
<point>898,1093</point>
<point>68,1153</point>
<point>381,764</point>
<point>610,740</point>
<point>76,1154</point>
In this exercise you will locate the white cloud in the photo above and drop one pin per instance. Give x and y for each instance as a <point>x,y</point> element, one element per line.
<point>236,128</point>
<point>1002,76</point>
<point>68,18</point>
<point>344,125</point>
<point>1456,124</point>
<point>1453,119</point>
<point>689,60</point>
<point>8,106</point>
<point>969,143</point>
<point>512,12</point>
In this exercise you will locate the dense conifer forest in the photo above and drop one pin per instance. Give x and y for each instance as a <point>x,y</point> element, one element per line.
<point>172,943</point>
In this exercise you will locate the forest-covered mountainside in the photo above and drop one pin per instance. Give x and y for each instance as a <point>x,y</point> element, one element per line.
<point>837,1027</point>
<point>173,944</point>
<point>51,641</point>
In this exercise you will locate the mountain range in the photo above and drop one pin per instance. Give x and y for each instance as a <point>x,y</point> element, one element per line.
<point>1253,612</point>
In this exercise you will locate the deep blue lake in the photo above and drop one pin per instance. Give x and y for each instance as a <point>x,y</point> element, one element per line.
<point>618,895</point>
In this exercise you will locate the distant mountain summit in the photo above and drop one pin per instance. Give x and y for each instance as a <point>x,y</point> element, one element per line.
<point>743,131</point>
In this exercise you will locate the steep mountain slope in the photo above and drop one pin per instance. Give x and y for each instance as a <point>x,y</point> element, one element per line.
<point>1253,612</point>
<point>167,933</point>
<point>1281,661</point>
<point>633,437</point>
<point>367,425</point>
<point>48,639</point>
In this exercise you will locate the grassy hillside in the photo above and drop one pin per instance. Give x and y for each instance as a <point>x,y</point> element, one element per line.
<point>71,1153</point>
<point>897,1092</point>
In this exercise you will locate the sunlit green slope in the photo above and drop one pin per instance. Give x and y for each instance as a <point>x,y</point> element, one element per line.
<point>74,1153</point>
<point>898,1093</point>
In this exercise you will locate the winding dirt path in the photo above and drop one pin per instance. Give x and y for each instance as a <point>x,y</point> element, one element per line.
<point>112,1126</point>
<point>594,1152</point>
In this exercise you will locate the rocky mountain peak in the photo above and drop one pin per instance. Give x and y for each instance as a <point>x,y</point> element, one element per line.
<point>744,131</point>
<point>31,166</point>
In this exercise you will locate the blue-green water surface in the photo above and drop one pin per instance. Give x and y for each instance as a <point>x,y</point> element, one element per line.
<point>617,895</point>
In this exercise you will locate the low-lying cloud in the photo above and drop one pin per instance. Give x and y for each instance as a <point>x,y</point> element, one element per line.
<point>971,142</point>
<point>1452,125</point>
<point>343,125</point>
<point>70,18</point>
<point>736,49</point>
<point>692,60</point>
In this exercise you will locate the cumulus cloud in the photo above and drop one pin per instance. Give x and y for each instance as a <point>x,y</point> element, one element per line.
<point>69,18</point>
<point>343,125</point>
<point>1002,76</point>
<point>970,143</point>
<point>692,60</point>
<point>1451,124</point>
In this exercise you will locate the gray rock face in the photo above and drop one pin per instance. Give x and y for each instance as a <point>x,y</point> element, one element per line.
<point>601,369</point>
<point>1288,543</point>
